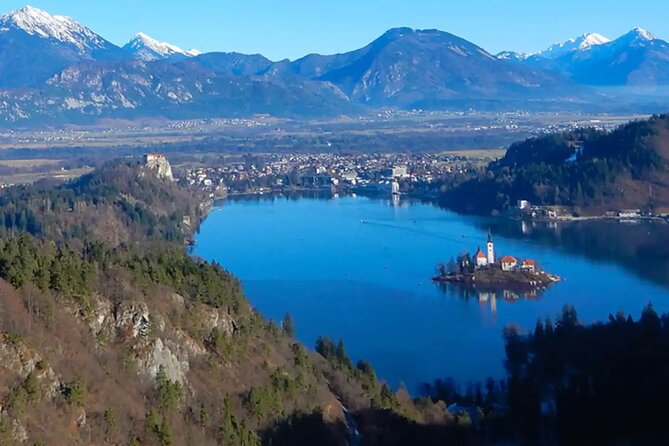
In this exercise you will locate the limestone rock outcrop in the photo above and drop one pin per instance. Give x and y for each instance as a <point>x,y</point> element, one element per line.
<point>160,164</point>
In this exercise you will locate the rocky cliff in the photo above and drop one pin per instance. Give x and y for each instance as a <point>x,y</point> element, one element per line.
<point>135,365</point>
<point>160,164</point>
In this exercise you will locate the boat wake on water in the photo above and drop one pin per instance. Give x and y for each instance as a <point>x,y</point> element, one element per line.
<point>461,240</point>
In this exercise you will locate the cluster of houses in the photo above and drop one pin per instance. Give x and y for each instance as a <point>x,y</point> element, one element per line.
<point>507,263</point>
<point>527,209</point>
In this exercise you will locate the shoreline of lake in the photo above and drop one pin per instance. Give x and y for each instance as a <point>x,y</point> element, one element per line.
<point>370,283</point>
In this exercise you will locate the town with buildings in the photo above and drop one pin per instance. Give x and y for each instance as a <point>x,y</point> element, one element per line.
<point>360,173</point>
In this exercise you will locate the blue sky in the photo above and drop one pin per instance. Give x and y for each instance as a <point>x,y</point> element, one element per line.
<point>293,28</point>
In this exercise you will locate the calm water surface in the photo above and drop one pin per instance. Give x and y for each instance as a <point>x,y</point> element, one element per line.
<point>359,269</point>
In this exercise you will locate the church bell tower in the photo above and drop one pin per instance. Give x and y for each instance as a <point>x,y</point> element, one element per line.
<point>491,249</point>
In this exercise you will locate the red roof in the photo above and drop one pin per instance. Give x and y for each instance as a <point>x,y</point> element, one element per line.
<point>529,262</point>
<point>480,255</point>
<point>509,259</point>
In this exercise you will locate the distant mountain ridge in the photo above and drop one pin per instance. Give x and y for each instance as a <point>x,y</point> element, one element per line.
<point>582,42</point>
<point>55,70</point>
<point>637,59</point>
<point>422,68</point>
<point>147,48</point>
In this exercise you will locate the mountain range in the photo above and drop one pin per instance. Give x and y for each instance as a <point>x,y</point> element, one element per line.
<point>54,70</point>
<point>580,43</point>
<point>637,58</point>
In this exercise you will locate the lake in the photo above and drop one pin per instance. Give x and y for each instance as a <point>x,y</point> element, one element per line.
<point>359,269</point>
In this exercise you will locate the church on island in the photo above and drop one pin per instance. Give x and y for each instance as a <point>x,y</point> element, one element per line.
<point>507,263</point>
<point>487,273</point>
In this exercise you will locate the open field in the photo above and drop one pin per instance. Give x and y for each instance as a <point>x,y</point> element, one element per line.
<point>477,153</point>
<point>28,163</point>
<point>445,131</point>
<point>28,155</point>
<point>31,177</point>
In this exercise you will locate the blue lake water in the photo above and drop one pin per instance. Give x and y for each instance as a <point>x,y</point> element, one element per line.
<point>359,269</point>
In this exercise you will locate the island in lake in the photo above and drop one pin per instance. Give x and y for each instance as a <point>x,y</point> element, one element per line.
<point>483,271</point>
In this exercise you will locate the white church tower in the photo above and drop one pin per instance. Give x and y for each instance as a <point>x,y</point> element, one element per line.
<point>491,249</point>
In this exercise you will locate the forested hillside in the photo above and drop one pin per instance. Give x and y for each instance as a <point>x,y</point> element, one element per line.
<point>117,203</point>
<point>110,333</point>
<point>601,384</point>
<point>586,170</point>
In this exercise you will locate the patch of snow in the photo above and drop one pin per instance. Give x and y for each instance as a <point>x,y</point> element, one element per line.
<point>637,35</point>
<point>644,34</point>
<point>457,50</point>
<point>125,102</point>
<point>73,103</point>
<point>512,55</point>
<point>98,98</point>
<point>575,156</point>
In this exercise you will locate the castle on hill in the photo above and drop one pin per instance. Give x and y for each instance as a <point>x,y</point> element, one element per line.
<point>158,162</point>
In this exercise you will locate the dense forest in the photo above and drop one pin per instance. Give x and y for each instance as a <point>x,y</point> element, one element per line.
<point>585,170</point>
<point>117,203</point>
<point>600,384</point>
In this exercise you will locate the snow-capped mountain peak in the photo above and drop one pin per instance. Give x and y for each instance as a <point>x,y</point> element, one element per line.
<point>592,39</point>
<point>582,42</point>
<point>638,34</point>
<point>37,22</point>
<point>156,45</point>
<point>147,48</point>
<point>512,55</point>
<point>644,33</point>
